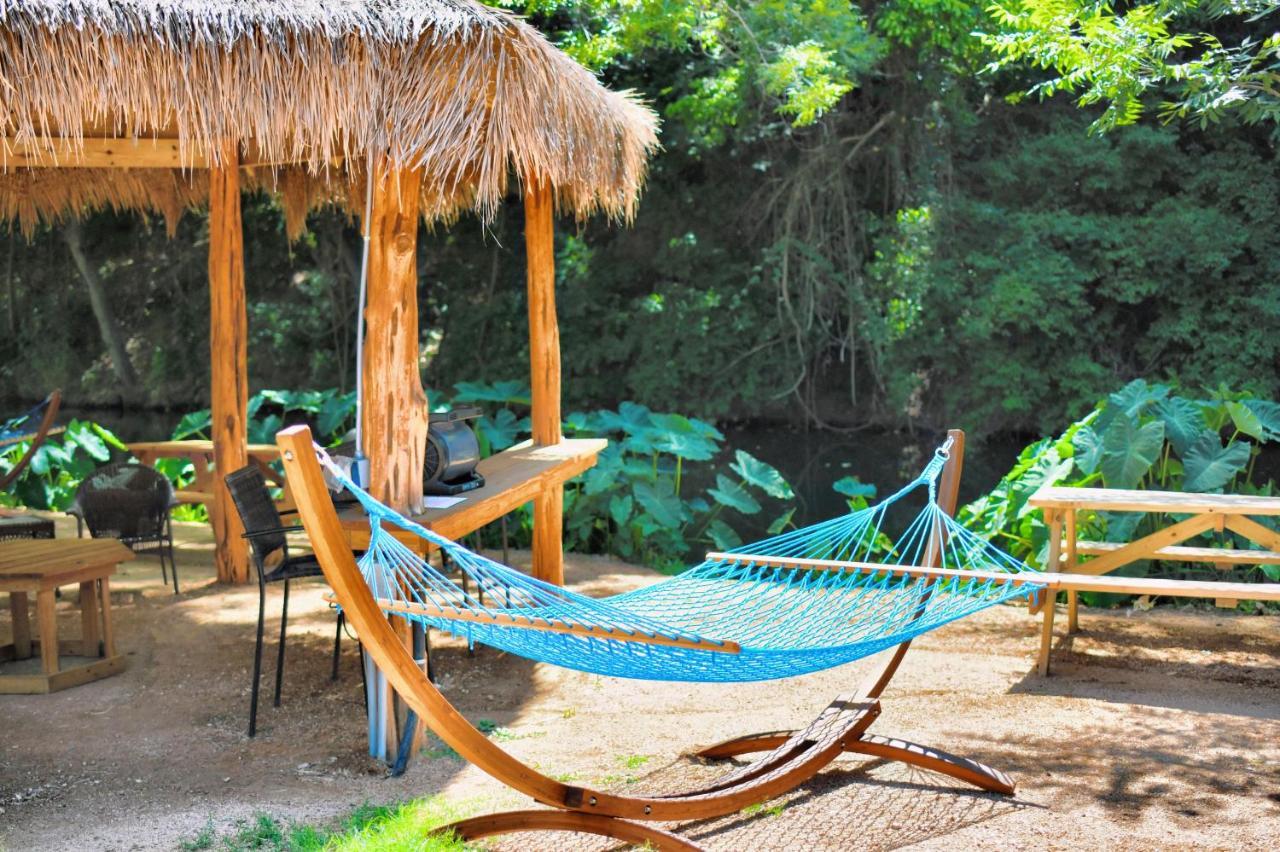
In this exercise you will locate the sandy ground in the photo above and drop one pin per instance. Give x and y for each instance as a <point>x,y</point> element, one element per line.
<point>1158,730</point>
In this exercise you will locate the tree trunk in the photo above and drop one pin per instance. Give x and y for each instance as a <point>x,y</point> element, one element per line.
<point>108,328</point>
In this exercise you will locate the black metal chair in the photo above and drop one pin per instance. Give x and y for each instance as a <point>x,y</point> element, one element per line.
<point>129,501</point>
<point>268,537</point>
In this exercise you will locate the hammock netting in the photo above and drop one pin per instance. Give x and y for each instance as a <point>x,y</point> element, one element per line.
<point>22,427</point>
<point>786,621</point>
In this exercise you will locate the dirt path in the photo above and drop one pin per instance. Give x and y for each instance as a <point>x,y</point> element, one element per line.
<point>1158,730</point>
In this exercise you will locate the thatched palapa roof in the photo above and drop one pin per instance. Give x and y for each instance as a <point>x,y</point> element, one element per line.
<point>469,93</point>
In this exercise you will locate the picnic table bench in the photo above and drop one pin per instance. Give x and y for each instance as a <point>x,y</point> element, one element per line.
<point>1205,513</point>
<point>200,454</point>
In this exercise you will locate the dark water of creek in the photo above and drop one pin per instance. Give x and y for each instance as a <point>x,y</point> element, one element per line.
<point>810,460</point>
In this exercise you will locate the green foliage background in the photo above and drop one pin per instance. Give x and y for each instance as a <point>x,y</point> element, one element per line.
<point>855,220</point>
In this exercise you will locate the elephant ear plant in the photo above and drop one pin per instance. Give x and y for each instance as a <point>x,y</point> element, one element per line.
<point>656,492</point>
<point>1142,436</point>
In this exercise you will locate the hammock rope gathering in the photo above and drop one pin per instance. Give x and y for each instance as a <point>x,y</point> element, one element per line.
<point>732,618</point>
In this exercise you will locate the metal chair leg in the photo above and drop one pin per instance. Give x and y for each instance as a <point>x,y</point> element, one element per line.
<point>284,622</point>
<point>173,563</point>
<point>257,663</point>
<point>337,645</point>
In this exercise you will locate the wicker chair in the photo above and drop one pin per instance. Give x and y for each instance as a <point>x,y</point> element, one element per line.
<point>130,502</point>
<point>267,535</point>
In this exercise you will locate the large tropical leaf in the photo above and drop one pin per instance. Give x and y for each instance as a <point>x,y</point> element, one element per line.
<point>1268,414</point>
<point>761,475</point>
<point>1129,450</point>
<point>1208,466</point>
<point>1048,470</point>
<point>732,494</point>
<point>502,429</point>
<point>678,436</point>
<point>1087,444</point>
<point>507,393</point>
<point>620,508</point>
<point>851,486</point>
<point>723,535</point>
<point>660,502</point>
<point>1245,421</point>
<point>1183,421</point>
<point>1134,398</point>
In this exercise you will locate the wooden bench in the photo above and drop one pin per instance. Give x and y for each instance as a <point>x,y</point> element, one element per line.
<point>1206,513</point>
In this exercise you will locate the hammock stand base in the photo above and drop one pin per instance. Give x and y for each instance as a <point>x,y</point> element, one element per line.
<point>792,758</point>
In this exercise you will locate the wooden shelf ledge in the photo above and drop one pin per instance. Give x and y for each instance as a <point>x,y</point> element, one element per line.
<point>512,478</point>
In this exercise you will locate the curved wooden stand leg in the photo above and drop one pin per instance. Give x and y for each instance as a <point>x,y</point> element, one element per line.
<point>961,768</point>
<point>511,822</point>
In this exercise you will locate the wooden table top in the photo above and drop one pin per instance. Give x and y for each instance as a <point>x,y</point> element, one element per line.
<point>183,449</point>
<point>1123,500</point>
<point>34,563</point>
<point>512,478</point>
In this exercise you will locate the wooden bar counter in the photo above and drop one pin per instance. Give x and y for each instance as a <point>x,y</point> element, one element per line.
<point>512,478</point>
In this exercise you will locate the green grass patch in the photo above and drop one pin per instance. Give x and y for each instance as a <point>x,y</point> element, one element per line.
<point>368,828</point>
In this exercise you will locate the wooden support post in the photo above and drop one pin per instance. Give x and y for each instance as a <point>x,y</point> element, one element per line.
<point>1054,520</point>
<point>228,361</point>
<point>21,625</point>
<point>47,621</point>
<point>108,632</point>
<point>89,612</point>
<point>544,373</point>
<point>1073,602</point>
<point>395,405</point>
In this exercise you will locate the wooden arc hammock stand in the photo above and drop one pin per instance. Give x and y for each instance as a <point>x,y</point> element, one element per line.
<point>790,757</point>
<point>37,438</point>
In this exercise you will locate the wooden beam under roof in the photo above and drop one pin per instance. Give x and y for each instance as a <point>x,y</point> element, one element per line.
<point>93,152</point>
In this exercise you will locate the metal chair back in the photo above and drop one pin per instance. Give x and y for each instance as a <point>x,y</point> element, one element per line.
<point>258,513</point>
<point>126,500</point>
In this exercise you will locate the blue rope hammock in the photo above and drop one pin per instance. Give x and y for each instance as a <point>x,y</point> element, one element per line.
<point>728,619</point>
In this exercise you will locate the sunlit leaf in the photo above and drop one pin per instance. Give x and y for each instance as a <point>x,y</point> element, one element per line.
<point>851,486</point>
<point>1245,420</point>
<point>763,476</point>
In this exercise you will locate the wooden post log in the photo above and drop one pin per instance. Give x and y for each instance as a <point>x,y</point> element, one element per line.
<point>228,361</point>
<point>395,404</point>
<point>544,373</point>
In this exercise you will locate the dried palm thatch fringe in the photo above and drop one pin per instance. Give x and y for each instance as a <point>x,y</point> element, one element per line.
<point>468,93</point>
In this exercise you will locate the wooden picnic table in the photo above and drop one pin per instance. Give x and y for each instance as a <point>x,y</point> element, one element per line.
<point>1206,512</point>
<point>200,454</point>
<point>39,567</point>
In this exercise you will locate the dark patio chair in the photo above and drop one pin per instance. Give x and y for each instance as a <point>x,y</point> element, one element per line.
<point>130,502</point>
<point>270,544</point>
